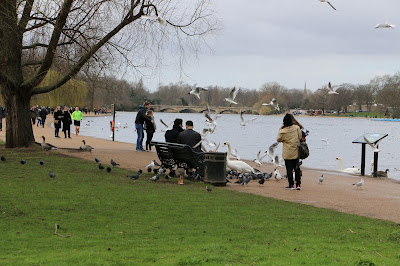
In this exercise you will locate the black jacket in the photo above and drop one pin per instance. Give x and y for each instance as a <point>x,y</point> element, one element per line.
<point>172,134</point>
<point>67,121</point>
<point>57,116</point>
<point>43,114</point>
<point>191,138</point>
<point>149,127</point>
<point>141,116</point>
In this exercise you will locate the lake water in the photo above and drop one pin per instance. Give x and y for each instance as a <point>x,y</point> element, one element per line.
<point>261,133</point>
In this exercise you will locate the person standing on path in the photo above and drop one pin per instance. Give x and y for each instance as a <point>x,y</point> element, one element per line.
<point>150,128</point>
<point>67,121</point>
<point>139,121</point>
<point>43,114</point>
<point>290,135</point>
<point>57,121</point>
<point>77,116</point>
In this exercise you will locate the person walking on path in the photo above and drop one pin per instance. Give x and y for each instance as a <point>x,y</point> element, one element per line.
<point>57,121</point>
<point>139,121</point>
<point>77,116</point>
<point>172,134</point>
<point>150,128</point>
<point>43,114</point>
<point>67,121</point>
<point>290,135</point>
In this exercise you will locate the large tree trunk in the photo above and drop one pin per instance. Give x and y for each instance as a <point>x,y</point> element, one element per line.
<point>20,134</point>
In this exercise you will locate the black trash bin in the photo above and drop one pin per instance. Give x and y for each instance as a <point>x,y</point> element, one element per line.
<point>215,168</point>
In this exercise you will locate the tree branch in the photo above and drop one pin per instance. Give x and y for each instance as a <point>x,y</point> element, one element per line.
<point>25,16</point>
<point>60,22</point>
<point>44,45</point>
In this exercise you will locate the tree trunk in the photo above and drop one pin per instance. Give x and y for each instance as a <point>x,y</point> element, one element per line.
<point>18,115</point>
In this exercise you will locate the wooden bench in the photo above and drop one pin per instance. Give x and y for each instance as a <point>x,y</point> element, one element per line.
<point>174,155</point>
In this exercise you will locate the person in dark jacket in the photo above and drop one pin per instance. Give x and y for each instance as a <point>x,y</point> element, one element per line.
<point>57,121</point>
<point>190,137</point>
<point>150,128</point>
<point>43,114</point>
<point>2,114</point>
<point>172,134</point>
<point>139,121</point>
<point>67,121</point>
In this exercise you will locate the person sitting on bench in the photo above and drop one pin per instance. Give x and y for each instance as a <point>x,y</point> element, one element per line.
<point>172,134</point>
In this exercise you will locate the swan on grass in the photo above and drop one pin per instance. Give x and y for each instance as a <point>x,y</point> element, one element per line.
<point>351,170</point>
<point>237,165</point>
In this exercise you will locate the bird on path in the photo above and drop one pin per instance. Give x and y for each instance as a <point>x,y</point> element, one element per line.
<point>149,170</point>
<point>196,91</point>
<point>208,189</point>
<point>46,146</point>
<point>232,96</point>
<point>277,175</point>
<point>237,165</point>
<point>41,163</point>
<point>155,178</point>
<point>359,184</point>
<point>384,25</point>
<point>246,181</point>
<point>267,176</point>
<point>261,181</point>
<point>85,147</point>
<point>51,174</point>
<point>276,161</point>
<point>321,179</point>
<point>108,169</point>
<point>3,158</point>
<point>23,161</point>
<point>114,163</point>
<point>101,167</point>
<point>97,160</point>
<point>373,146</point>
<point>324,1</point>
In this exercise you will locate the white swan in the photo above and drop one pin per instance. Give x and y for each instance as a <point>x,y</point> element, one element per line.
<point>237,165</point>
<point>351,170</point>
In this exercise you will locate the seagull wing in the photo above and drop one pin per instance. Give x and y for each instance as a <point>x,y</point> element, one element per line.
<point>241,116</point>
<point>234,93</point>
<point>209,118</point>
<point>271,149</point>
<point>371,145</point>
<point>331,5</point>
<point>162,122</point>
<point>252,119</point>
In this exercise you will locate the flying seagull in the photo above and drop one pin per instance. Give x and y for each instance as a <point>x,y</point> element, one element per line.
<point>324,1</point>
<point>196,90</point>
<point>232,96</point>
<point>166,126</point>
<point>373,146</point>
<point>153,18</point>
<point>384,25</point>
<point>243,123</point>
<point>259,159</point>
<point>332,90</point>
<point>271,150</point>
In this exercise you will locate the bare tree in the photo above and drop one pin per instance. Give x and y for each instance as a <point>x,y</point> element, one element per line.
<point>36,34</point>
<point>320,99</point>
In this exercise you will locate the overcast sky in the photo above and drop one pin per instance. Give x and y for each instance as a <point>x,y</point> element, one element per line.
<point>293,42</point>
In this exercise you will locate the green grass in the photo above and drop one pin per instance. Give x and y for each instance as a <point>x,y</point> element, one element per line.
<point>360,114</point>
<point>114,220</point>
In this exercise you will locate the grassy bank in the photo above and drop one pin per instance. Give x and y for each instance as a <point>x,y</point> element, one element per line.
<point>110,219</point>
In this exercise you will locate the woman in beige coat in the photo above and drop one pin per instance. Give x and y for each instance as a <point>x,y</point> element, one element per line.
<point>290,136</point>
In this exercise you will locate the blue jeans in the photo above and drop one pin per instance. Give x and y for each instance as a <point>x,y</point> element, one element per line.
<point>139,141</point>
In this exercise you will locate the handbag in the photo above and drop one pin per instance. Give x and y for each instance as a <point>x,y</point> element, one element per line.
<point>303,150</point>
